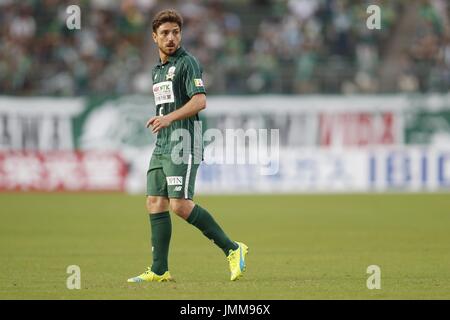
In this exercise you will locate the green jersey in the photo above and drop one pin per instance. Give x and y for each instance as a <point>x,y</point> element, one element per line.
<point>174,84</point>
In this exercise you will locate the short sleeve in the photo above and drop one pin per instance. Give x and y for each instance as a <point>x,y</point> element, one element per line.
<point>153,75</point>
<point>193,81</point>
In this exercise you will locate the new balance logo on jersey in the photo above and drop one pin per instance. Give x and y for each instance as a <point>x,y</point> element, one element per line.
<point>178,188</point>
<point>174,181</point>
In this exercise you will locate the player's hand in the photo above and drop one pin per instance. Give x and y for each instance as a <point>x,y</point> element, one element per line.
<point>158,122</point>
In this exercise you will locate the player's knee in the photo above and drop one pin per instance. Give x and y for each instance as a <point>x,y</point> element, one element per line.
<point>156,204</point>
<point>181,207</point>
<point>176,207</point>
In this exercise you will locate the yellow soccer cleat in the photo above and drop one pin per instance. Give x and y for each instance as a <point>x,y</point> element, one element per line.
<point>236,258</point>
<point>149,276</point>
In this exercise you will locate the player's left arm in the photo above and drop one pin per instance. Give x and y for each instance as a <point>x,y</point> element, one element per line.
<point>192,107</point>
<point>194,88</point>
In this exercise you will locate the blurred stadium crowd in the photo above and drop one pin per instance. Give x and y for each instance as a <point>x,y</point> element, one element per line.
<point>245,46</point>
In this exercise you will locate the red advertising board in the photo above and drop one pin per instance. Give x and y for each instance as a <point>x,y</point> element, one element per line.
<point>62,171</point>
<point>358,129</point>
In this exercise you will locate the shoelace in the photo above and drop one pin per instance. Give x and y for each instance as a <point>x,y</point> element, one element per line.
<point>149,270</point>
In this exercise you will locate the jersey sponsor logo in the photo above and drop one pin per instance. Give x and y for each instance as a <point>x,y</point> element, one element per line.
<point>163,92</point>
<point>198,82</point>
<point>171,73</point>
<point>174,181</point>
<point>178,188</point>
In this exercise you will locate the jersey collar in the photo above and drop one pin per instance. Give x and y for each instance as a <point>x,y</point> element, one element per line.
<point>174,56</point>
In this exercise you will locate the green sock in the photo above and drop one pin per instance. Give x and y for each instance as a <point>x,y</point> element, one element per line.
<point>203,220</point>
<point>161,232</point>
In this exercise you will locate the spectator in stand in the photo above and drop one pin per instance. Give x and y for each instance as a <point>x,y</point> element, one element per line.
<point>273,46</point>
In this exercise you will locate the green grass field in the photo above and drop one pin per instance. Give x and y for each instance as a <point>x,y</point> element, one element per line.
<point>301,247</point>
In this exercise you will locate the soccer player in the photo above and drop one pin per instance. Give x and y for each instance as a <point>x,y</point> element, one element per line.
<point>179,96</point>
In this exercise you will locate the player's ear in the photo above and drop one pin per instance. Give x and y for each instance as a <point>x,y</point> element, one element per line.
<point>154,37</point>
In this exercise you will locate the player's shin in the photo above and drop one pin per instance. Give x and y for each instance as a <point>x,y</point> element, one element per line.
<point>161,227</point>
<point>204,221</point>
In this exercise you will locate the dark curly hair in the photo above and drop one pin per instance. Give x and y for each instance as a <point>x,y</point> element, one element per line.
<point>167,16</point>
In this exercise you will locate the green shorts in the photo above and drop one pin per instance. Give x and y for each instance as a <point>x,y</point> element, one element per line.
<point>170,180</point>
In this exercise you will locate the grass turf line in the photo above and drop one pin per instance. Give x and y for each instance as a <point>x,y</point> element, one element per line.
<point>301,247</point>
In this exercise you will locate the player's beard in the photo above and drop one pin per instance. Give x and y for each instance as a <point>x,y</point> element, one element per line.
<point>166,51</point>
